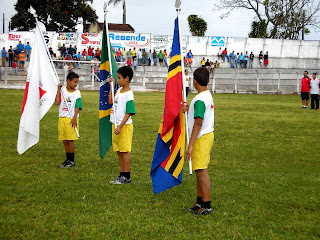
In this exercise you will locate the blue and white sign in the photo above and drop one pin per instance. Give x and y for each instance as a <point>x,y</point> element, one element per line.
<point>217,41</point>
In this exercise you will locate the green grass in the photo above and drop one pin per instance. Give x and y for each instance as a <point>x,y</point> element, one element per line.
<point>265,175</point>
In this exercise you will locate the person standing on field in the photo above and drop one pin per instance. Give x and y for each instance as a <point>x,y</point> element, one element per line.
<point>314,85</point>
<point>305,88</point>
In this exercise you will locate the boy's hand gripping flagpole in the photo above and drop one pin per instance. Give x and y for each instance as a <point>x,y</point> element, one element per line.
<point>33,12</point>
<point>177,5</point>
<point>110,64</point>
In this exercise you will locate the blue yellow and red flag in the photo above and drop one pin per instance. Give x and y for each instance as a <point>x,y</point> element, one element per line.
<point>168,158</point>
<point>105,126</point>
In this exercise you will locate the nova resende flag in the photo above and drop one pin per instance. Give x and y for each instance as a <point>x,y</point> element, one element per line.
<point>39,95</point>
<point>105,126</point>
<point>168,158</point>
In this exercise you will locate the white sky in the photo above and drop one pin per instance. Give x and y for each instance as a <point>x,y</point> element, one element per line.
<point>157,17</point>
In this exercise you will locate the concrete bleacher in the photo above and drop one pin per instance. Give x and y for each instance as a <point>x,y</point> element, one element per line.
<point>151,78</point>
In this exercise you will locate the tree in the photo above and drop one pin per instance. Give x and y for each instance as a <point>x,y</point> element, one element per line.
<point>285,19</point>
<point>258,29</point>
<point>56,15</point>
<point>124,14</point>
<point>197,26</point>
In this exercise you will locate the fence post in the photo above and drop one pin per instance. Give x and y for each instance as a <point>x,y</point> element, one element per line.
<point>297,82</point>
<point>5,75</point>
<point>213,83</point>
<point>258,81</point>
<point>278,81</point>
<point>236,81</point>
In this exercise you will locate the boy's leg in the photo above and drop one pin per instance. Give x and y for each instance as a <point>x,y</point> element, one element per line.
<point>203,184</point>
<point>125,163</point>
<point>312,101</point>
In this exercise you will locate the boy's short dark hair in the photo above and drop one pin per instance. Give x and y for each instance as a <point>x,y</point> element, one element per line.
<point>315,74</point>
<point>126,71</point>
<point>306,72</point>
<point>72,75</point>
<point>201,75</point>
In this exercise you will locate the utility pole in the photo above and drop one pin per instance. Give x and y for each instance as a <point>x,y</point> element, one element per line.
<point>3,23</point>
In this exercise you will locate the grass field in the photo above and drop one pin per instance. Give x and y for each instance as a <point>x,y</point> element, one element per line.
<point>265,175</point>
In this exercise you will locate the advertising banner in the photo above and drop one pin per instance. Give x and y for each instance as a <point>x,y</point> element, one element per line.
<point>217,41</point>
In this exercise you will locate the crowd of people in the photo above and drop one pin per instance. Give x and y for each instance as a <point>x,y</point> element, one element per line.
<point>16,56</point>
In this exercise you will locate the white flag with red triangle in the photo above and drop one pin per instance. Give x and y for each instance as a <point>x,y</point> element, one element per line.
<point>40,93</point>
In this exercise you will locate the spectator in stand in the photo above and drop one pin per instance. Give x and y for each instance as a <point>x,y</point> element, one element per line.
<point>185,61</point>
<point>20,47</point>
<point>251,57</point>
<point>165,57</point>
<point>225,55</point>
<point>67,57</point>
<point>241,57</point>
<point>237,60</point>
<point>14,68</point>
<point>28,51</point>
<point>78,58</point>
<point>245,59</point>
<point>305,88</point>
<point>21,61</point>
<point>134,54</point>
<point>160,56</point>
<point>71,51</point>
<point>261,59</point>
<point>203,62</point>
<point>314,85</point>
<point>11,56</point>
<point>207,64</point>
<point>216,64</point>
<point>90,51</point>
<point>139,56</point>
<point>84,54</point>
<point>232,57</point>
<point>211,67</point>
<point>63,50</point>
<point>50,51</point>
<point>123,55</point>
<point>144,57</point>
<point>155,57</point>
<point>189,57</point>
<point>149,57</point>
<point>129,62</point>
<point>266,60</point>
<point>135,62</point>
<point>4,56</point>
<point>129,55</point>
<point>220,55</point>
<point>98,54</point>
<point>118,55</point>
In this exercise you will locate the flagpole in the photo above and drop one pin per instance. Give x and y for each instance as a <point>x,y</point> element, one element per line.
<point>33,12</point>
<point>183,81</point>
<point>110,63</point>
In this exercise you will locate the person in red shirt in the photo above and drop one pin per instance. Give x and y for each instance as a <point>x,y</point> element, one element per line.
<point>90,50</point>
<point>225,55</point>
<point>84,54</point>
<point>98,53</point>
<point>305,88</point>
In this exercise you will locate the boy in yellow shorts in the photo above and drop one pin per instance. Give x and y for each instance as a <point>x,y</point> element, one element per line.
<point>201,127</point>
<point>69,100</point>
<point>122,133</point>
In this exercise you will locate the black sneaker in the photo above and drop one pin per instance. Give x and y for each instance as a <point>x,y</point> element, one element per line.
<point>115,180</point>
<point>63,164</point>
<point>194,208</point>
<point>204,211</point>
<point>122,180</point>
<point>67,164</point>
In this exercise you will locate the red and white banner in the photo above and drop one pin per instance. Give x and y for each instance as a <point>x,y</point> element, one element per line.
<point>40,93</point>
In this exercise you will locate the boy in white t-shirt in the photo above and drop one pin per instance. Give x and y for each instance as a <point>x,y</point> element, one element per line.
<point>69,99</point>
<point>201,127</point>
<point>122,134</point>
<point>314,85</point>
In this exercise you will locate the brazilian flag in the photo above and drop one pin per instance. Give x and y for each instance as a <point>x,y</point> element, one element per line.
<point>105,126</point>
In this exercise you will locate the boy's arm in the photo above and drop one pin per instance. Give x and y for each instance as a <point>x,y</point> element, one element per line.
<point>58,100</point>
<point>124,120</point>
<point>195,131</point>
<point>111,81</point>
<point>74,119</point>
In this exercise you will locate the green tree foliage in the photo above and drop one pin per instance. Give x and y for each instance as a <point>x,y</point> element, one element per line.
<point>258,29</point>
<point>197,26</point>
<point>285,19</point>
<point>57,15</point>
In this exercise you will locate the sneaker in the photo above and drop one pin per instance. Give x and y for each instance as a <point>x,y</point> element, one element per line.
<point>122,180</point>
<point>116,180</point>
<point>63,164</point>
<point>204,211</point>
<point>67,164</point>
<point>195,207</point>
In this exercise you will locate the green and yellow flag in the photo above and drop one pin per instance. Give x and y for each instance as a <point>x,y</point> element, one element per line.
<point>105,126</point>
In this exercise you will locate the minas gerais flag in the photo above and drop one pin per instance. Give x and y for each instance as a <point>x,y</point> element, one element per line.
<point>39,95</point>
<point>168,158</point>
<point>105,126</point>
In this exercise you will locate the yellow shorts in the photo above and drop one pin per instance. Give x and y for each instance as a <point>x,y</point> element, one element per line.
<point>65,129</point>
<point>123,141</point>
<point>201,151</point>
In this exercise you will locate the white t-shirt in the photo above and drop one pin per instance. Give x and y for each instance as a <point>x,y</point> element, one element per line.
<point>70,100</point>
<point>202,106</point>
<point>314,83</point>
<point>186,82</point>
<point>124,103</point>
